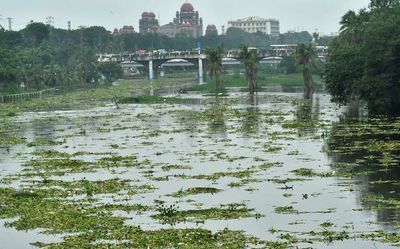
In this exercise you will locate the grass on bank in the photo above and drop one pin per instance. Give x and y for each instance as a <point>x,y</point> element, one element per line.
<point>236,80</point>
<point>86,97</point>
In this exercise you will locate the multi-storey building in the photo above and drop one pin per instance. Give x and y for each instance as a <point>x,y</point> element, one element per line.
<point>257,24</point>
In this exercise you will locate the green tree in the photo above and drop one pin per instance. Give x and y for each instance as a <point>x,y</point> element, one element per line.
<point>87,66</point>
<point>382,4</point>
<point>250,59</point>
<point>352,24</point>
<point>305,55</point>
<point>214,57</point>
<point>35,33</point>
<point>52,75</point>
<point>8,63</point>
<point>111,70</point>
<point>366,68</point>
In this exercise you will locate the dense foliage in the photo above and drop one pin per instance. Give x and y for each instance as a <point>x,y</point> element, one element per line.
<point>364,60</point>
<point>41,56</point>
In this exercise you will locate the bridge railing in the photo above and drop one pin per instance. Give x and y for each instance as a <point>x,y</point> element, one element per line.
<point>163,57</point>
<point>172,56</point>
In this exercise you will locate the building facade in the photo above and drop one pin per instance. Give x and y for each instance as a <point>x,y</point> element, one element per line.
<point>256,24</point>
<point>187,21</point>
<point>148,23</point>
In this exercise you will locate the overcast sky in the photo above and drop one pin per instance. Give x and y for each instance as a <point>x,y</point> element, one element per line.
<point>309,15</point>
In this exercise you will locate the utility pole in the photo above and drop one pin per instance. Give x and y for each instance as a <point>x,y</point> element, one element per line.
<point>50,21</point>
<point>10,23</point>
<point>69,25</point>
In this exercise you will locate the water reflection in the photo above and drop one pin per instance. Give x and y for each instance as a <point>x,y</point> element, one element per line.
<point>365,148</point>
<point>307,114</point>
<point>216,121</point>
<point>182,132</point>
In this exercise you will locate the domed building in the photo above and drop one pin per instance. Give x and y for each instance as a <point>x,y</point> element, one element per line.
<point>148,23</point>
<point>187,21</point>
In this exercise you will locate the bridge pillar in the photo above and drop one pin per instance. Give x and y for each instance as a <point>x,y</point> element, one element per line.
<point>200,71</point>
<point>151,73</point>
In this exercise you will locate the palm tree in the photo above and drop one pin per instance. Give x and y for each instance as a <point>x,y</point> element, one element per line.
<point>52,74</point>
<point>348,22</point>
<point>87,67</point>
<point>352,23</point>
<point>214,57</point>
<point>33,76</point>
<point>250,60</point>
<point>305,55</point>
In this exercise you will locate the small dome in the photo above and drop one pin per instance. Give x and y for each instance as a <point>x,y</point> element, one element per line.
<point>151,14</point>
<point>187,7</point>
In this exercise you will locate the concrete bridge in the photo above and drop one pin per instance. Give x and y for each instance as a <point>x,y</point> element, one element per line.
<point>151,61</point>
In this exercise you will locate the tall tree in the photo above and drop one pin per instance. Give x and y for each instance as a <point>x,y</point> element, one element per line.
<point>366,68</point>
<point>381,4</point>
<point>87,66</point>
<point>249,57</point>
<point>305,55</point>
<point>111,70</point>
<point>348,22</point>
<point>52,75</point>
<point>214,57</point>
<point>36,33</point>
<point>352,24</point>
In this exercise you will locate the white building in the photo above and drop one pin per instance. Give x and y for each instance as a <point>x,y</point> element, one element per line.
<point>256,24</point>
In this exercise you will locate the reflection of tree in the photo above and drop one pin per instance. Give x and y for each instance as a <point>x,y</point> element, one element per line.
<point>215,117</point>
<point>362,147</point>
<point>354,110</point>
<point>250,117</point>
<point>307,115</point>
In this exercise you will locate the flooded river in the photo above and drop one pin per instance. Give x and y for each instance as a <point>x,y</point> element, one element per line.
<point>285,173</point>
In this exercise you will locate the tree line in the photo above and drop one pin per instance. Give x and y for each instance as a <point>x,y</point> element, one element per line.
<point>364,60</point>
<point>41,56</point>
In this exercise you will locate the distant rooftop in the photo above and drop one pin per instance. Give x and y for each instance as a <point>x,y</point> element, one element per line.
<point>253,18</point>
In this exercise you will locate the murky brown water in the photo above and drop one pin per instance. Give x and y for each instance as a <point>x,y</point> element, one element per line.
<point>160,134</point>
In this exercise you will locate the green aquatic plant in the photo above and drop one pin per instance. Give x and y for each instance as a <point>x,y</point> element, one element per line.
<point>310,173</point>
<point>196,191</point>
<point>171,214</point>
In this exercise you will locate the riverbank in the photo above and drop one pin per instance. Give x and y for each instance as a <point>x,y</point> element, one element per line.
<point>82,98</point>
<point>263,80</point>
